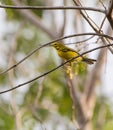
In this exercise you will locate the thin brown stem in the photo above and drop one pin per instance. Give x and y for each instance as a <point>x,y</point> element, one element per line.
<point>109,13</point>
<point>52,8</point>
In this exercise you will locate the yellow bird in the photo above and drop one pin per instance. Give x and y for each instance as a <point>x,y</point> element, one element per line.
<point>67,53</point>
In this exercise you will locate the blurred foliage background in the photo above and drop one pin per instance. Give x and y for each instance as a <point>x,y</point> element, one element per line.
<point>44,103</point>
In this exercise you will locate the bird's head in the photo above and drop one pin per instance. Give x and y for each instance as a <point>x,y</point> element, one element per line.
<point>57,45</point>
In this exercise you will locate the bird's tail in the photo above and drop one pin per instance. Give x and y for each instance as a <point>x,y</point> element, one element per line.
<point>88,60</point>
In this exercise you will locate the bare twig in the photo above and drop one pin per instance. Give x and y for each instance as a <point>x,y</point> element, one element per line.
<point>102,4</point>
<point>102,23</point>
<point>82,41</point>
<point>52,8</point>
<point>109,13</point>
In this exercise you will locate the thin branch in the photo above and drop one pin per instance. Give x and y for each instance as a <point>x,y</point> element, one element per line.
<point>53,8</point>
<point>102,23</point>
<point>102,4</point>
<point>104,16</point>
<point>109,13</point>
<point>48,72</point>
<point>82,41</point>
<point>59,39</point>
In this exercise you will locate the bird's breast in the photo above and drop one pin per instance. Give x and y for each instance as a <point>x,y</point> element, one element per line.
<point>67,55</point>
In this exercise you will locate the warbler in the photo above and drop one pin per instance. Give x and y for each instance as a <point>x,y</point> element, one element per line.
<point>68,53</point>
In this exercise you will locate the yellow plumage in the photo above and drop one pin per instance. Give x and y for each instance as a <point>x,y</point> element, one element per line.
<point>67,53</point>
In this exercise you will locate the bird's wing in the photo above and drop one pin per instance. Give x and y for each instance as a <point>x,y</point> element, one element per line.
<point>68,49</point>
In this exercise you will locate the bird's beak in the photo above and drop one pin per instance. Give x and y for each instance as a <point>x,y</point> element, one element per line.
<point>51,44</point>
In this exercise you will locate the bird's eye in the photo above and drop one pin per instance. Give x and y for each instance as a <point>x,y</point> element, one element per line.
<point>55,44</point>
